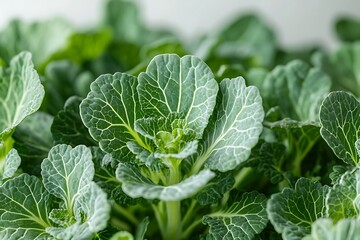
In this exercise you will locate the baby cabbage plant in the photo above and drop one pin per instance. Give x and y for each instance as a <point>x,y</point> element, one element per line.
<point>171,136</point>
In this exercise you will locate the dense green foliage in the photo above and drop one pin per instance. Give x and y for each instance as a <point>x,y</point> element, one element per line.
<point>124,132</point>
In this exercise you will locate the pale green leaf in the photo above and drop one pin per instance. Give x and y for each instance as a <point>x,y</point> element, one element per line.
<point>325,229</point>
<point>234,128</point>
<point>67,171</point>
<point>92,211</point>
<point>21,93</point>
<point>179,85</point>
<point>241,220</point>
<point>136,185</point>
<point>40,38</point>
<point>248,37</point>
<point>292,211</point>
<point>24,209</point>
<point>342,201</point>
<point>297,89</point>
<point>110,110</point>
<point>342,65</point>
<point>12,163</point>
<point>339,116</point>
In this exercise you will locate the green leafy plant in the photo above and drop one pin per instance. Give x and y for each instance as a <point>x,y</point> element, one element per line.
<point>125,132</point>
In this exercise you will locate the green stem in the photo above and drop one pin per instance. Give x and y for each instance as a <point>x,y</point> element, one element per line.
<point>173,229</point>
<point>173,208</point>
<point>120,224</point>
<point>159,215</point>
<point>189,230</point>
<point>124,213</point>
<point>189,213</point>
<point>5,147</point>
<point>241,176</point>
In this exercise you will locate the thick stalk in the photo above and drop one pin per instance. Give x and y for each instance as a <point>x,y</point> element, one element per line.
<point>173,208</point>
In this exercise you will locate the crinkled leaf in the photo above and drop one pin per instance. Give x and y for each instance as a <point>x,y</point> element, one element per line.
<point>242,220</point>
<point>67,171</point>
<point>92,211</point>
<point>338,172</point>
<point>24,209</point>
<point>179,85</point>
<point>340,121</point>
<point>136,185</point>
<point>11,165</point>
<point>342,200</point>
<point>40,38</point>
<point>68,128</point>
<point>21,93</point>
<point>234,128</point>
<point>297,89</point>
<point>110,110</point>
<point>216,188</point>
<point>33,140</point>
<point>325,229</point>
<point>271,157</point>
<point>290,211</point>
<point>145,157</point>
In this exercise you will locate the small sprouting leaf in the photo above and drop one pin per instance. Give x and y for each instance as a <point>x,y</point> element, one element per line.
<point>110,110</point>
<point>290,212</point>
<point>67,127</point>
<point>342,201</point>
<point>24,209</point>
<point>242,220</point>
<point>33,140</point>
<point>67,171</point>
<point>136,185</point>
<point>325,229</point>
<point>179,85</point>
<point>141,229</point>
<point>234,128</point>
<point>339,116</point>
<point>21,93</point>
<point>12,163</point>
<point>92,211</point>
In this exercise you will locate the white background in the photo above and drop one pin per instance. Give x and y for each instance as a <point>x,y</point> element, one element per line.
<point>297,22</point>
